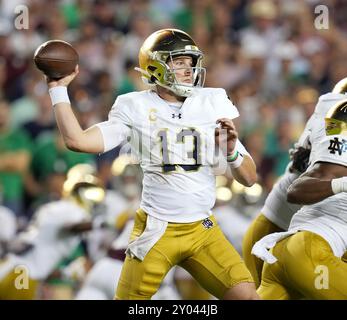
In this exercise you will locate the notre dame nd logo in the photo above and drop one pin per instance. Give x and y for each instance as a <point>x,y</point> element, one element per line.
<point>207,223</point>
<point>337,146</point>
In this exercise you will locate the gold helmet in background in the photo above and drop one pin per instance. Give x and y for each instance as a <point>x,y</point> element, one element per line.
<point>336,119</point>
<point>127,176</point>
<point>162,46</point>
<point>341,86</point>
<point>84,187</point>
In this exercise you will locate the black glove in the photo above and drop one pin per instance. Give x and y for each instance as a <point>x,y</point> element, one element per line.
<point>300,157</point>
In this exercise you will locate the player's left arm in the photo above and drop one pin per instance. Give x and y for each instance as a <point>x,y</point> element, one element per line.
<point>242,165</point>
<point>246,172</point>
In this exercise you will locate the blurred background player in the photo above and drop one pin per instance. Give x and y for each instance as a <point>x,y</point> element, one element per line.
<point>52,235</point>
<point>120,205</point>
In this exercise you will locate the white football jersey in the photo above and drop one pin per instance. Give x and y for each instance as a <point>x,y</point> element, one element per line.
<point>175,148</point>
<point>276,207</point>
<point>50,243</point>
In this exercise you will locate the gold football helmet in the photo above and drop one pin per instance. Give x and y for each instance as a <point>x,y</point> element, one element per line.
<point>127,176</point>
<point>84,187</point>
<point>336,119</point>
<point>159,48</point>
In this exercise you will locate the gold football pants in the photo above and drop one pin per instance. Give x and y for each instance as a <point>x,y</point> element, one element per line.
<point>259,228</point>
<point>306,268</point>
<point>14,287</point>
<point>204,252</point>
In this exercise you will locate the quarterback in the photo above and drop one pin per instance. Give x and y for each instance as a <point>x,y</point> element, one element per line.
<point>277,212</point>
<point>317,235</point>
<point>174,128</point>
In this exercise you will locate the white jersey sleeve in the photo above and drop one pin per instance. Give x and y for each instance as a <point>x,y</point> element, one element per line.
<point>304,139</point>
<point>224,108</point>
<point>117,128</point>
<point>222,105</point>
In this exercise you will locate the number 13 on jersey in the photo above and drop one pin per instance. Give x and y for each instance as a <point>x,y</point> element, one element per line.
<point>188,139</point>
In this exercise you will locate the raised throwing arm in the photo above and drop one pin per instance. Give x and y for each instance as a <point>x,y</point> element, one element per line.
<point>90,140</point>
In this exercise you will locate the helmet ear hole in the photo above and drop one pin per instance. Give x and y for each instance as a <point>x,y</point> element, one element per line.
<point>151,68</point>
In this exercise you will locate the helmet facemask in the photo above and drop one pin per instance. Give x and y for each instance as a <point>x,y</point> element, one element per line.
<point>198,75</point>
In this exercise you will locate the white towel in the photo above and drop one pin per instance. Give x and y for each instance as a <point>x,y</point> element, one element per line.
<point>261,247</point>
<point>154,230</point>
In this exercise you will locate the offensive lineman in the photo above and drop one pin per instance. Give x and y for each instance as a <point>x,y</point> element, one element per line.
<point>317,235</point>
<point>172,128</point>
<point>277,212</point>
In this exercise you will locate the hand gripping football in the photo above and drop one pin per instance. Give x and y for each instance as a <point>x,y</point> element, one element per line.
<point>56,59</point>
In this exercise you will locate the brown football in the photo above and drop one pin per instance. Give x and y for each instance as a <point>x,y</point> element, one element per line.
<point>56,58</point>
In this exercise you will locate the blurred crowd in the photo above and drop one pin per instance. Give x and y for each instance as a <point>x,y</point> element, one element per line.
<point>267,54</point>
